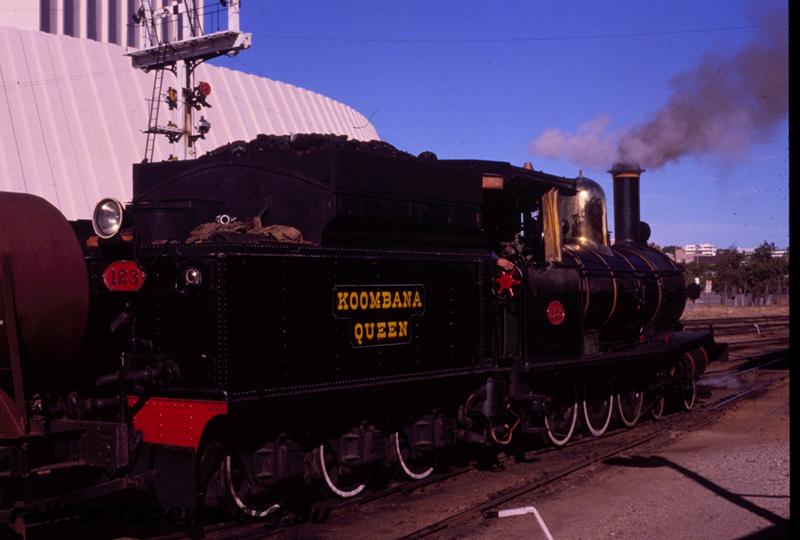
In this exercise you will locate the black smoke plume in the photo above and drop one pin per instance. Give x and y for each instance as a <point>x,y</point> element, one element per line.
<point>720,107</point>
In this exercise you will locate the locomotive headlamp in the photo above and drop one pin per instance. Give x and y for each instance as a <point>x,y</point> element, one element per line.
<point>107,218</point>
<point>192,276</point>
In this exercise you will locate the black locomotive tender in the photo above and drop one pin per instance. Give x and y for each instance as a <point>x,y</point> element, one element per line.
<point>306,309</point>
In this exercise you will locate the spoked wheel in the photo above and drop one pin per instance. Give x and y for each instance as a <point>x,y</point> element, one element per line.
<point>340,479</point>
<point>689,395</point>
<point>657,408</point>
<point>412,463</point>
<point>561,417</point>
<point>259,505</point>
<point>598,407</point>
<point>629,405</point>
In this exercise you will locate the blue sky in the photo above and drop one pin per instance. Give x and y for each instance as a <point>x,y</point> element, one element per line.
<point>481,79</point>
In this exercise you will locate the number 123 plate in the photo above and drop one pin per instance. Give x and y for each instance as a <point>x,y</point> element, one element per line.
<point>123,276</point>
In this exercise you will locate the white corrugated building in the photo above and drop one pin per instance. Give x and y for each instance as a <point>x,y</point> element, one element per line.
<point>73,110</point>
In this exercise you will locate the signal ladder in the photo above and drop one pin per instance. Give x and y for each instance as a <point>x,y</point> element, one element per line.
<point>155,102</point>
<point>172,131</point>
<point>181,57</point>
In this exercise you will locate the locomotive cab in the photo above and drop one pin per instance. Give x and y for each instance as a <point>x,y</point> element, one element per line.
<point>519,214</point>
<point>574,294</point>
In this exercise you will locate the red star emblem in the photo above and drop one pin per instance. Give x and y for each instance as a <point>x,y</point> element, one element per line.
<point>506,282</point>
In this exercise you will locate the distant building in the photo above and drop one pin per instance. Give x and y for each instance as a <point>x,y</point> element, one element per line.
<point>107,21</point>
<point>709,253</point>
<point>776,253</point>
<point>675,253</point>
<point>702,253</point>
<point>700,250</point>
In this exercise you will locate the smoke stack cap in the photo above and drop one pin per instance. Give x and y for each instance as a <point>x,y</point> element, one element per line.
<point>626,170</point>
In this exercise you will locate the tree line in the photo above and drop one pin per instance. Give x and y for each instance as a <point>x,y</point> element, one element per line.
<point>756,274</point>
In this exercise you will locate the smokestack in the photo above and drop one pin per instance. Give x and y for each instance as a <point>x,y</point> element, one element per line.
<point>626,202</point>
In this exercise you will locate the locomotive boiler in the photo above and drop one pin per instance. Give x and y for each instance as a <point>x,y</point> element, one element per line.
<point>307,310</point>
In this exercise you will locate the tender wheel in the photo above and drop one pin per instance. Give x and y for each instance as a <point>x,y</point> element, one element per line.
<point>629,406</point>
<point>598,407</point>
<point>415,467</point>
<point>560,420</point>
<point>657,410</point>
<point>340,479</point>
<point>238,485</point>
<point>689,395</point>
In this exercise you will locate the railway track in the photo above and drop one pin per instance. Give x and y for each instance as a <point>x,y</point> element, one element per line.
<point>740,325</point>
<point>738,380</point>
<point>589,455</point>
<point>746,336</point>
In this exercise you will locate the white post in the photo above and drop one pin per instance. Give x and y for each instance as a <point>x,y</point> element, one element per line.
<point>101,21</point>
<point>184,73</point>
<point>81,26</point>
<point>233,15</point>
<point>520,512</point>
<point>58,6</point>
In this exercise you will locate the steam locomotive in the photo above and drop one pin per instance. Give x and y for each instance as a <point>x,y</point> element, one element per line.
<point>303,310</point>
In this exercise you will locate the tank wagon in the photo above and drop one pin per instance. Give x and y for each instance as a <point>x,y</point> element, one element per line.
<point>303,310</point>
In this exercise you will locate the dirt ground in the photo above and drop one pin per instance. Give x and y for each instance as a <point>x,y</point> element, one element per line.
<point>705,312</point>
<point>728,481</point>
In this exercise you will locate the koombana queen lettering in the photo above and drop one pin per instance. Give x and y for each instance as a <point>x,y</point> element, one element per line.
<point>379,314</point>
